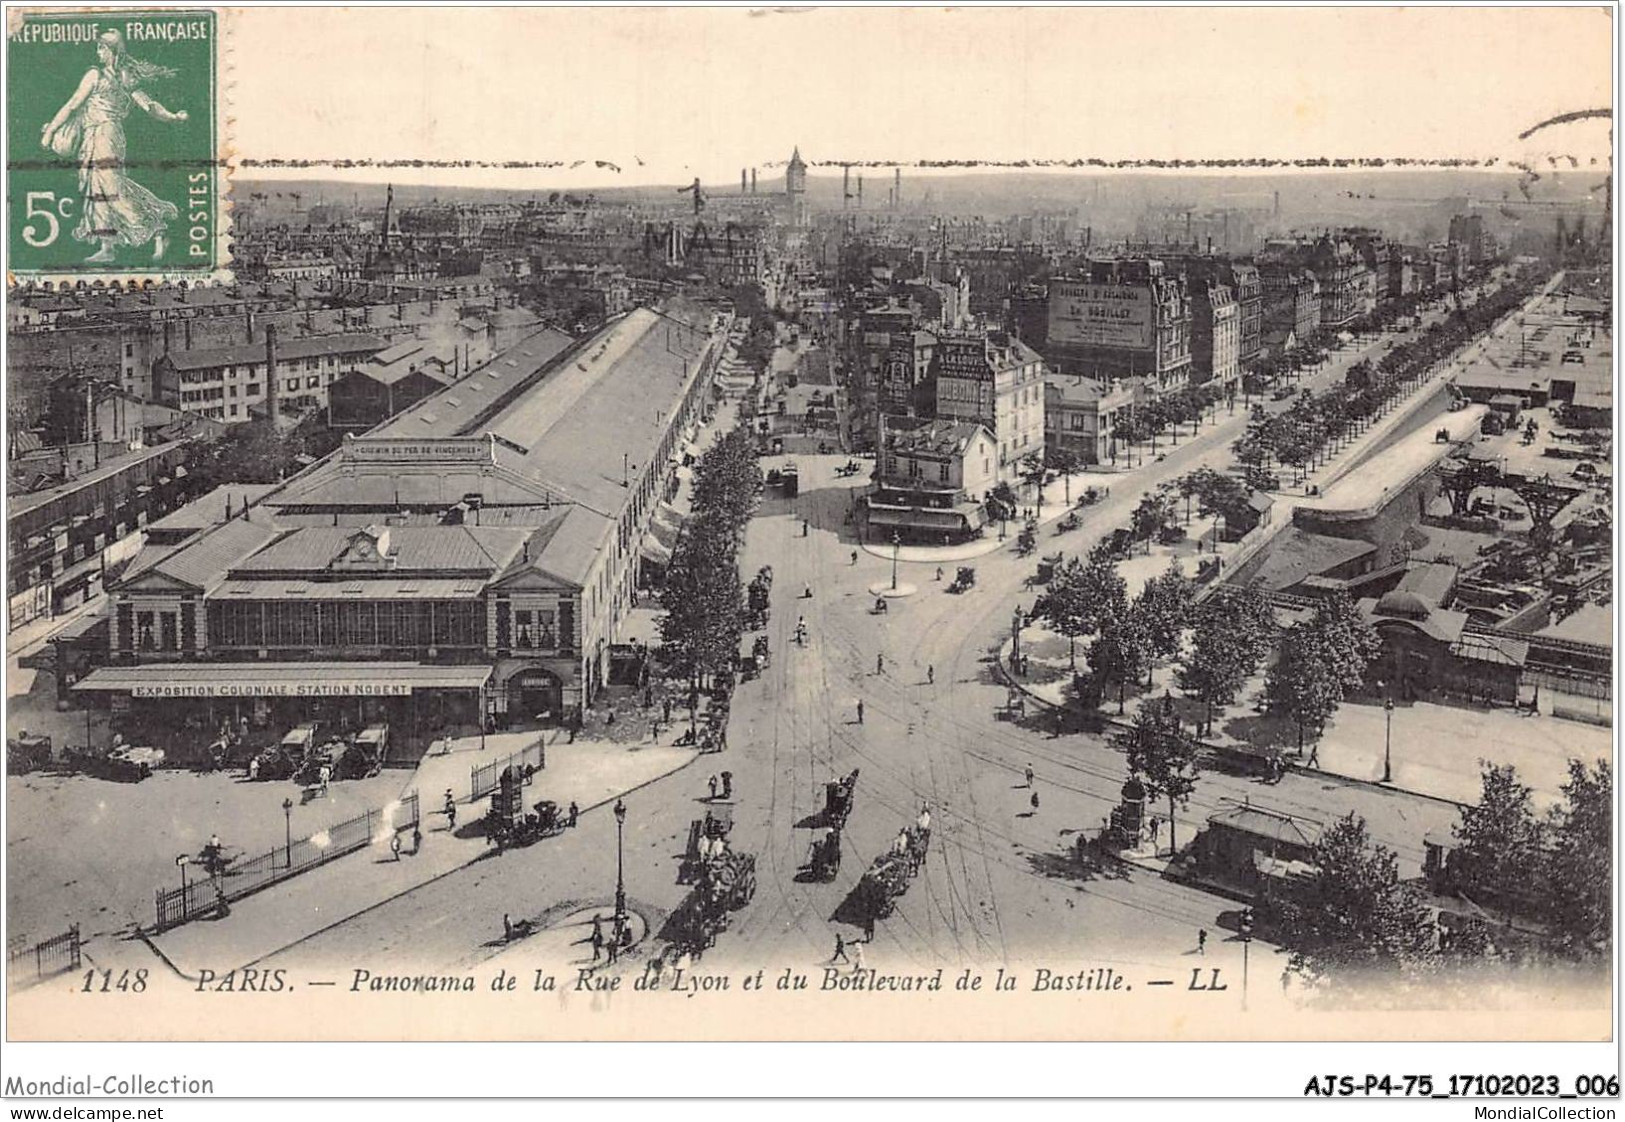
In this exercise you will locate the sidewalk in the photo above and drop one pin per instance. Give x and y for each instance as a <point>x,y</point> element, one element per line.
<point>1435,750</point>
<point>589,773</point>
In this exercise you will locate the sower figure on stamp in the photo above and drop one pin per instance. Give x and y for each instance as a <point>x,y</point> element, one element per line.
<point>116,210</point>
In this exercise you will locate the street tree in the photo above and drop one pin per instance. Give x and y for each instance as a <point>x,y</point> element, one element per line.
<point>1165,605</point>
<point>1035,473</point>
<point>1500,843</point>
<point>1078,593</point>
<point>1303,685</point>
<point>1350,640</point>
<point>1353,917</point>
<point>1579,861</point>
<point>1065,463</point>
<point>1162,757</point>
<point>1155,511</point>
<point>1233,633</point>
<point>1119,653</point>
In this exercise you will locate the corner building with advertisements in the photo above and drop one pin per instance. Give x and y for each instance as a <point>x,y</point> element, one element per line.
<point>1119,319</point>
<point>469,563</point>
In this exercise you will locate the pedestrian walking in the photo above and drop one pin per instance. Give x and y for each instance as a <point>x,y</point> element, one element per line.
<point>1201,941</point>
<point>507,928</point>
<point>840,950</point>
<point>712,783</point>
<point>325,775</point>
<point>857,958</point>
<point>854,557</point>
<point>931,675</point>
<point>417,840</point>
<point>395,845</point>
<point>880,663</point>
<point>254,769</point>
<point>575,813</point>
<point>1029,775</point>
<point>727,784</point>
<point>860,710</point>
<point>665,711</point>
<point>939,573</point>
<point>806,593</point>
<point>803,527</point>
<point>1034,801</point>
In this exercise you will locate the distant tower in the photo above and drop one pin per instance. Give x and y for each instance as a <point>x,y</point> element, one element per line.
<point>742,189</point>
<point>389,215</point>
<point>860,190</point>
<point>753,181</point>
<point>897,187</point>
<point>795,177</point>
<point>846,187</point>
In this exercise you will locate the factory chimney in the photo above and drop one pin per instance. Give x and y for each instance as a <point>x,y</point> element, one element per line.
<point>897,188</point>
<point>753,181</point>
<point>860,190</point>
<point>742,190</point>
<point>271,378</point>
<point>846,187</point>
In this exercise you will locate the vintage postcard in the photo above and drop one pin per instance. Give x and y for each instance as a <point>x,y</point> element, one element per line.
<point>1061,524</point>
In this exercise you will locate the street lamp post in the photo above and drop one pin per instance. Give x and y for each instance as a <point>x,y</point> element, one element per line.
<point>620,879</point>
<point>287,833</point>
<point>896,547</point>
<point>1246,925</point>
<point>1015,638</point>
<point>1388,740</point>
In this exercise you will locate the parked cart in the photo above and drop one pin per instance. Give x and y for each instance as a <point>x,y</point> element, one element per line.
<point>27,752</point>
<point>507,824</point>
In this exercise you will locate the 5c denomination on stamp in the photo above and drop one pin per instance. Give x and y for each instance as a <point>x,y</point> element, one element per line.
<point>113,168</point>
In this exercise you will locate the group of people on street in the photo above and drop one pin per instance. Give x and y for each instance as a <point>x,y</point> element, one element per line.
<point>723,788</point>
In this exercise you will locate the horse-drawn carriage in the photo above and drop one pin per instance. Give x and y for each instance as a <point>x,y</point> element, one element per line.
<point>751,665</point>
<point>848,469</point>
<point>122,763</point>
<point>725,882</point>
<point>824,857</point>
<point>756,599</point>
<point>364,755</point>
<point>507,824</point>
<point>964,580</point>
<point>286,758</point>
<point>707,839</point>
<point>838,799</point>
<point>1268,764</point>
<point>887,879</point>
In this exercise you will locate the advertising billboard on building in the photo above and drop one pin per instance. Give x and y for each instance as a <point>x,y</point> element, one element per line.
<point>1101,315</point>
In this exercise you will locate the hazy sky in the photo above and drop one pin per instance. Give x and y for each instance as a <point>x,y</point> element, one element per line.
<point>708,91</point>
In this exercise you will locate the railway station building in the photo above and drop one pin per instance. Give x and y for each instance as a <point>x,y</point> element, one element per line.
<point>470,563</point>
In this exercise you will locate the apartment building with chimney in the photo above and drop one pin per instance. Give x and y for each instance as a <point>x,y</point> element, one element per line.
<point>275,378</point>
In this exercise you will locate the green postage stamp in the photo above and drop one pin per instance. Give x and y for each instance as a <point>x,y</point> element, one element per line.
<point>115,166</point>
